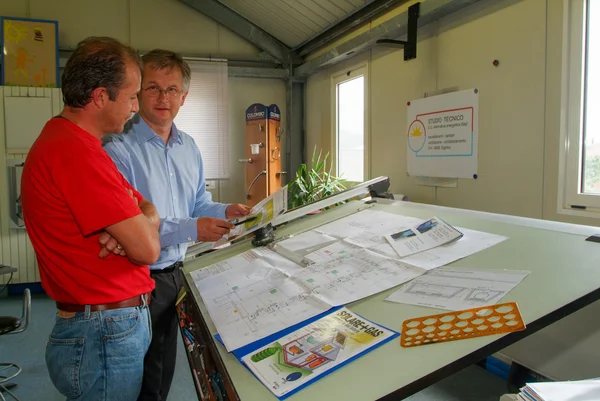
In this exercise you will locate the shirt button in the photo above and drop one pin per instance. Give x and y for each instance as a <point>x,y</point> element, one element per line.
<point>171,174</point>
<point>189,238</point>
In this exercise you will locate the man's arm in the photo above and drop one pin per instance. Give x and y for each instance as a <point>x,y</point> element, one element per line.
<point>175,231</point>
<point>139,239</point>
<point>207,222</point>
<point>111,245</point>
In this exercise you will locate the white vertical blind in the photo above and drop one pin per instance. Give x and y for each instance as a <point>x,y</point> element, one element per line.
<point>205,116</point>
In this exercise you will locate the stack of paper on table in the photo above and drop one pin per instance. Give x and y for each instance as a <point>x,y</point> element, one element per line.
<point>260,292</point>
<point>263,291</point>
<point>583,390</point>
<point>367,229</point>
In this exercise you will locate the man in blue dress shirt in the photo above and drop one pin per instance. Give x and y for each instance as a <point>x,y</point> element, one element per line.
<point>165,166</point>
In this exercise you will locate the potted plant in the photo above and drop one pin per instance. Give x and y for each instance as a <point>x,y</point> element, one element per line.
<point>313,184</point>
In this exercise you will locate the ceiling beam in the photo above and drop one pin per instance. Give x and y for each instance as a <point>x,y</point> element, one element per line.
<point>431,10</point>
<point>244,28</point>
<point>364,14</point>
<point>257,72</point>
<point>234,71</point>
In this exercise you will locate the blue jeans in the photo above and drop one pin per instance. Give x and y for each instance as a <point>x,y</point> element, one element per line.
<point>99,356</point>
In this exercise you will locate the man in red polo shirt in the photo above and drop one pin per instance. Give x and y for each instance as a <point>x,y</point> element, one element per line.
<point>94,235</point>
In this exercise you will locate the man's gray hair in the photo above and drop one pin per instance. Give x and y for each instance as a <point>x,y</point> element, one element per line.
<point>159,59</point>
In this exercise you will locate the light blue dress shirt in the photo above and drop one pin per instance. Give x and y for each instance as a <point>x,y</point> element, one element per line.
<point>171,177</point>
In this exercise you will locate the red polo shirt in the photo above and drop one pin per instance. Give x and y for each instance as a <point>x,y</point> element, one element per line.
<point>71,190</point>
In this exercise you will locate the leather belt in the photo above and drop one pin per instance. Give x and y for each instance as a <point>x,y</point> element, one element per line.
<point>138,300</point>
<point>168,269</point>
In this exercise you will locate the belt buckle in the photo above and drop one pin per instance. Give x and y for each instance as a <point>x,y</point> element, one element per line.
<point>144,298</point>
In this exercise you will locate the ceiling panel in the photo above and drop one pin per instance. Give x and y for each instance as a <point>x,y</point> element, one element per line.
<point>295,21</point>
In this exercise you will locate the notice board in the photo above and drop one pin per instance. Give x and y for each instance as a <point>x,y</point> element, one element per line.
<point>30,52</point>
<point>442,135</point>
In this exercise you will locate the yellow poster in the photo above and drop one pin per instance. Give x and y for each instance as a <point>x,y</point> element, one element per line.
<point>29,54</point>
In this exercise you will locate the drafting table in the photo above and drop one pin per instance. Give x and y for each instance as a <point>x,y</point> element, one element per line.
<point>564,278</point>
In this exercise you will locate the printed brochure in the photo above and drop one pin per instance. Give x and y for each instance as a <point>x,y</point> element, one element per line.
<point>309,353</point>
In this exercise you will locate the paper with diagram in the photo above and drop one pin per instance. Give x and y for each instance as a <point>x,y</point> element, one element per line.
<point>260,292</point>
<point>423,236</point>
<point>345,273</point>
<point>249,297</point>
<point>457,289</point>
<point>297,359</point>
<point>367,229</point>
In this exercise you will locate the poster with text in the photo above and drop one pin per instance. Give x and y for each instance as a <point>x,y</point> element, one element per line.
<point>442,135</point>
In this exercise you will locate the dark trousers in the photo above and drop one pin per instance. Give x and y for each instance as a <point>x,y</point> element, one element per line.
<point>159,363</point>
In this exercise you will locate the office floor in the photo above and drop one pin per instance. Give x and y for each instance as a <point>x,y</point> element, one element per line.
<point>27,350</point>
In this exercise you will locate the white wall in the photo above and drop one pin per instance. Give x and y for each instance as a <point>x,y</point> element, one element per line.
<point>519,130</point>
<point>144,24</point>
<point>519,105</point>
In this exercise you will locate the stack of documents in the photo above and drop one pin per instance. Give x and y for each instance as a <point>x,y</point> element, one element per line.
<point>584,390</point>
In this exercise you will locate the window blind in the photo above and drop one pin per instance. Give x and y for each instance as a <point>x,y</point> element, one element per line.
<point>205,116</point>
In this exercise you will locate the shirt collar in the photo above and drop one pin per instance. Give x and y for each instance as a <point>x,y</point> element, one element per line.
<point>144,133</point>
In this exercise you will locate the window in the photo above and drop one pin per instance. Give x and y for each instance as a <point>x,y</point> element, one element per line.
<point>350,124</point>
<point>580,161</point>
<point>205,116</point>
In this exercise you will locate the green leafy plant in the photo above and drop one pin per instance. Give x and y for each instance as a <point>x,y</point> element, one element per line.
<point>315,183</point>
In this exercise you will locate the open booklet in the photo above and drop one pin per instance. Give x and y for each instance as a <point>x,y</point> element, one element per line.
<point>261,214</point>
<point>423,236</point>
<point>297,359</point>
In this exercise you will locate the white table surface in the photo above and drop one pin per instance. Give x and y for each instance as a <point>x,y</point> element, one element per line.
<point>565,276</point>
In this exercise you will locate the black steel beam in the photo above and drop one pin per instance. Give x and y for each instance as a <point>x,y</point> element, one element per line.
<point>395,27</point>
<point>356,19</point>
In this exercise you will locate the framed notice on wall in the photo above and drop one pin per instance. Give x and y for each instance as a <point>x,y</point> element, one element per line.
<point>30,52</point>
<point>442,135</point>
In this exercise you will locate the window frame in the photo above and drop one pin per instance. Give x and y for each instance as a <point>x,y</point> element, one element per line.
<point>349,74</point>
<point>571,201</point>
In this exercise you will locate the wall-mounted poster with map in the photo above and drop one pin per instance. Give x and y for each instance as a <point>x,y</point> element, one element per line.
<point>29,55</point>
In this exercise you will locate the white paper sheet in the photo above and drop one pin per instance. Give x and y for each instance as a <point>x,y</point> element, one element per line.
<point>366,229</point>
<point>581,390</point>
<point>425,235</point>
<point>365,222</point>
<point>250,297</point>
<point>260,292</point>
<point>305,242</point>
<point>457,289</point>
<point>345,273</point>
<point>471,242</point>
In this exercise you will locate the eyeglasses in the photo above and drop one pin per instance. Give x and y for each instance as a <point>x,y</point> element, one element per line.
<point>155,91</point>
